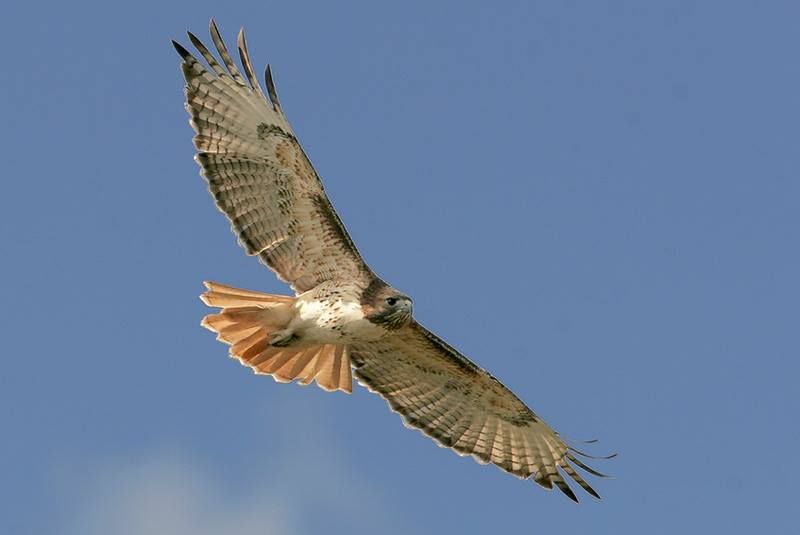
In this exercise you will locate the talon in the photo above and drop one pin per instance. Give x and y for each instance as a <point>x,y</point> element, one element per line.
<point>281,338</point>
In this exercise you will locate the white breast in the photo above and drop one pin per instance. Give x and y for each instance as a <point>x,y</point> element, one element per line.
<point>337,320</point>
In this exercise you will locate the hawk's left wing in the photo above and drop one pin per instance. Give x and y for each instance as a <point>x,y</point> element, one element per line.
<point>461,406</point>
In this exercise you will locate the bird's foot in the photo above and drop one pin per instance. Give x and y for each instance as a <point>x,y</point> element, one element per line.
<point>282,338</point>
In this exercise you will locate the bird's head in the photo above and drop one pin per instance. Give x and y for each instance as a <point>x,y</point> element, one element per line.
<point>383,305</point>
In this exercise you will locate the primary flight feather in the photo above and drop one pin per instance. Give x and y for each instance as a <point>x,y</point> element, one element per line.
<point>343,319</point>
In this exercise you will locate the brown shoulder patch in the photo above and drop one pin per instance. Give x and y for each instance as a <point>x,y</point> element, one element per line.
<point>372,292</point>
<point>264,130</point>
<point>335,225</point>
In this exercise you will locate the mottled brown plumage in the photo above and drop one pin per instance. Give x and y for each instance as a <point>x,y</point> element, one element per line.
<point>343,315</point>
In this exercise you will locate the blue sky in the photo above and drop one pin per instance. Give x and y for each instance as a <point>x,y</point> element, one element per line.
<point>597,201</point>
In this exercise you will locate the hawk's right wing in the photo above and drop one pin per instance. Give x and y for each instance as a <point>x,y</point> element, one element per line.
<point>260,176</point>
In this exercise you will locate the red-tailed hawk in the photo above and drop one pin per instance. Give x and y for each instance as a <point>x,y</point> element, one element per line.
<point>343,319</point>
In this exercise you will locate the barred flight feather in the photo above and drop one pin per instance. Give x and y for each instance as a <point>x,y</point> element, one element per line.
<point>425,381</point>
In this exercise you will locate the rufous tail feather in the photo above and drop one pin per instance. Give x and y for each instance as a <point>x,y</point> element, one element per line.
<point>246,322</point>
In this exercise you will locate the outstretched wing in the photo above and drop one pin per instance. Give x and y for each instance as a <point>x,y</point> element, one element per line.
<point>258,173</point>
<point>461,406</point>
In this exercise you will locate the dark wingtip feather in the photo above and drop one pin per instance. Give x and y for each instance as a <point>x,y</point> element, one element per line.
<point>223,52</point>
<point>212,26</point>
<point>583,466</point>
<point>579,480</point>
<point>209,57</point>
<point>545,482</point>
<point>563,487</point>
<point>273,93</point>
<point>195,41</point>
<point>593,492</point>
<point>244,56</point>
<point>182,52</point>
<point>588,456</point>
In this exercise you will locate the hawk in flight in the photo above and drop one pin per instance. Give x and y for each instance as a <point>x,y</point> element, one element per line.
<point>343,319</point>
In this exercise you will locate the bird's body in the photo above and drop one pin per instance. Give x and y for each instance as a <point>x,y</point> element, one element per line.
<point>334,317</point>
<point>343,319</point>
<point>331,314</point>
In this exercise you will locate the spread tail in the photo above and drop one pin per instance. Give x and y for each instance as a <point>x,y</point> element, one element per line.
<point>247,321</point>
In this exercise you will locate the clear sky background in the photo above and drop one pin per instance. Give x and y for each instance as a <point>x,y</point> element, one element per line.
<point>597,201</point>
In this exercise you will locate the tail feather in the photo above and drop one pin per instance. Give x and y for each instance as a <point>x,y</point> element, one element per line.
<point>298,365</point>
<point>222,296</point>
<point>333,376</point>
<point>284,365</point>
<point>328,365</point>
<point>271,361</point>
<point>227,330</point>
<point>246,322</point>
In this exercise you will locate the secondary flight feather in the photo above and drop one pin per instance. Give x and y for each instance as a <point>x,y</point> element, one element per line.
<point>343,318</point>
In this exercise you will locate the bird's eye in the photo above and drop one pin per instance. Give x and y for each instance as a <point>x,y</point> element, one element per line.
<point>391,301</point>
